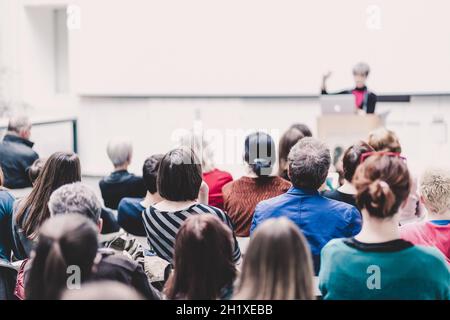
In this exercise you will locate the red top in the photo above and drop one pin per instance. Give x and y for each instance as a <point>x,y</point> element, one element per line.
<point>428,234</point>
<point>359,97</point>
<point>215,180</point>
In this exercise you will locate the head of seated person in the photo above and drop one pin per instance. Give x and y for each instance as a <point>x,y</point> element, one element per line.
<point>309,161</point>
<point>179,176</point>
<point>269,256</point>
<point>303,128</point>
<point>76,198</point>
<point>150,175</point>
<point>287,141</point>
<point>102,290</point>
<point>259,154</point>
<point>434,189</point>
<point>61,168</point>
<point>120,152</point>
<point>382,139</point>
<point>64,241</point>
<point>130,209</point>
<point>35,170</point>
<point>382,185</point>
<point>20,126</point>
<point>352,159</point>
<point>203,260</point>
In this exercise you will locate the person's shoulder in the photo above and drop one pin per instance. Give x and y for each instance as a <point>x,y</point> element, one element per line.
<point>412,228</point>
<point>330,194</point>
<point>118,261</point>
<point>129,202</point>
<point>228,187</point>
<point>273,203</point>
<point>7,196</point>
<point>431,254</point>
<point>235,185</point>
<point>338,206</point>
<point>206,208</point>
<point>282,183</point>
<point>223,175</point>
<point>104,180</point>
<point>335,244</point>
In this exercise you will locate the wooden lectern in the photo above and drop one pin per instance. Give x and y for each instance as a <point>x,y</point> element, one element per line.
<point>342,130</point>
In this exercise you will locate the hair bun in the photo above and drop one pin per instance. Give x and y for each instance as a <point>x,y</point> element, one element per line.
<point>381,197</point>
<point>259,164</point>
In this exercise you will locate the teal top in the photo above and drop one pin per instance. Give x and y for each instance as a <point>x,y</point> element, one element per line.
<point>392,270</point>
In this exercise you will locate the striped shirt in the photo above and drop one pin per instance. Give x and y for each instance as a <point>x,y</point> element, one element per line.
<point>162,228</point>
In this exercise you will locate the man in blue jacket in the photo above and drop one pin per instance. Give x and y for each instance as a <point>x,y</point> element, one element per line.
<point>16,153</point>
<point>319,218</point>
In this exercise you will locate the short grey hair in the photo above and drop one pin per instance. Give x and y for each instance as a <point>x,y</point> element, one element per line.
<point>75,198</point>
<point>434,187</point>
<point>18,123</point>
<point>309,161</point>
<point>119,151</point>
<point>361,68</point>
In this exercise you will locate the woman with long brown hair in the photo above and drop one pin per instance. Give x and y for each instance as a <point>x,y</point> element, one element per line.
<point>29,213</point>
<point>277,264</point>
<point>203,261</point>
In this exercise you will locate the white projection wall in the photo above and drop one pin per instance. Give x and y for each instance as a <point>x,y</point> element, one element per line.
<point>258,47</point>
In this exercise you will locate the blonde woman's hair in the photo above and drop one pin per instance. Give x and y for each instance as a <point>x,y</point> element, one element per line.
<point>435,189</point>
<point>277,264</point>
<point>382,139</point>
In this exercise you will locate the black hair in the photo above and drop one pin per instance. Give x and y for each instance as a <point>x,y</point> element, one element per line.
<point>179,175</point>
<point>260,153</point>
<point>150,172</point>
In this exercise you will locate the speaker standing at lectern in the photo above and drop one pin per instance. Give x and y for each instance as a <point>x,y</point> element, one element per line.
<point>365,100</point>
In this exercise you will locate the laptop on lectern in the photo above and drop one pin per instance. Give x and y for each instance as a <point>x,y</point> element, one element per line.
<point>338,104</point>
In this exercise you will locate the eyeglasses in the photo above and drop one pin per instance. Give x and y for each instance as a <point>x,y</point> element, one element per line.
<point>366,155</point>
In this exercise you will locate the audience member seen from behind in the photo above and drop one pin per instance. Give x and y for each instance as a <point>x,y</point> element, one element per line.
<point>203,261</point>
<point>6,209</point>
<point>179,181</point>
<point>67,244</point>
<point>130,210</point>
<point>212,176</point>
<point>102,290</point>
<point>287,141</point>
<point>434,191</point>
<point>242,196</point>
<point>35,170</point>
<point>384,140</point>
<point>277,264</point>
<point>321,219</point>
<point>30,212</point>
<point>351,160</point>
<point>16,153</point>
<point>377,263</point>
<point>120,183</point>
<point>80,199</point>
